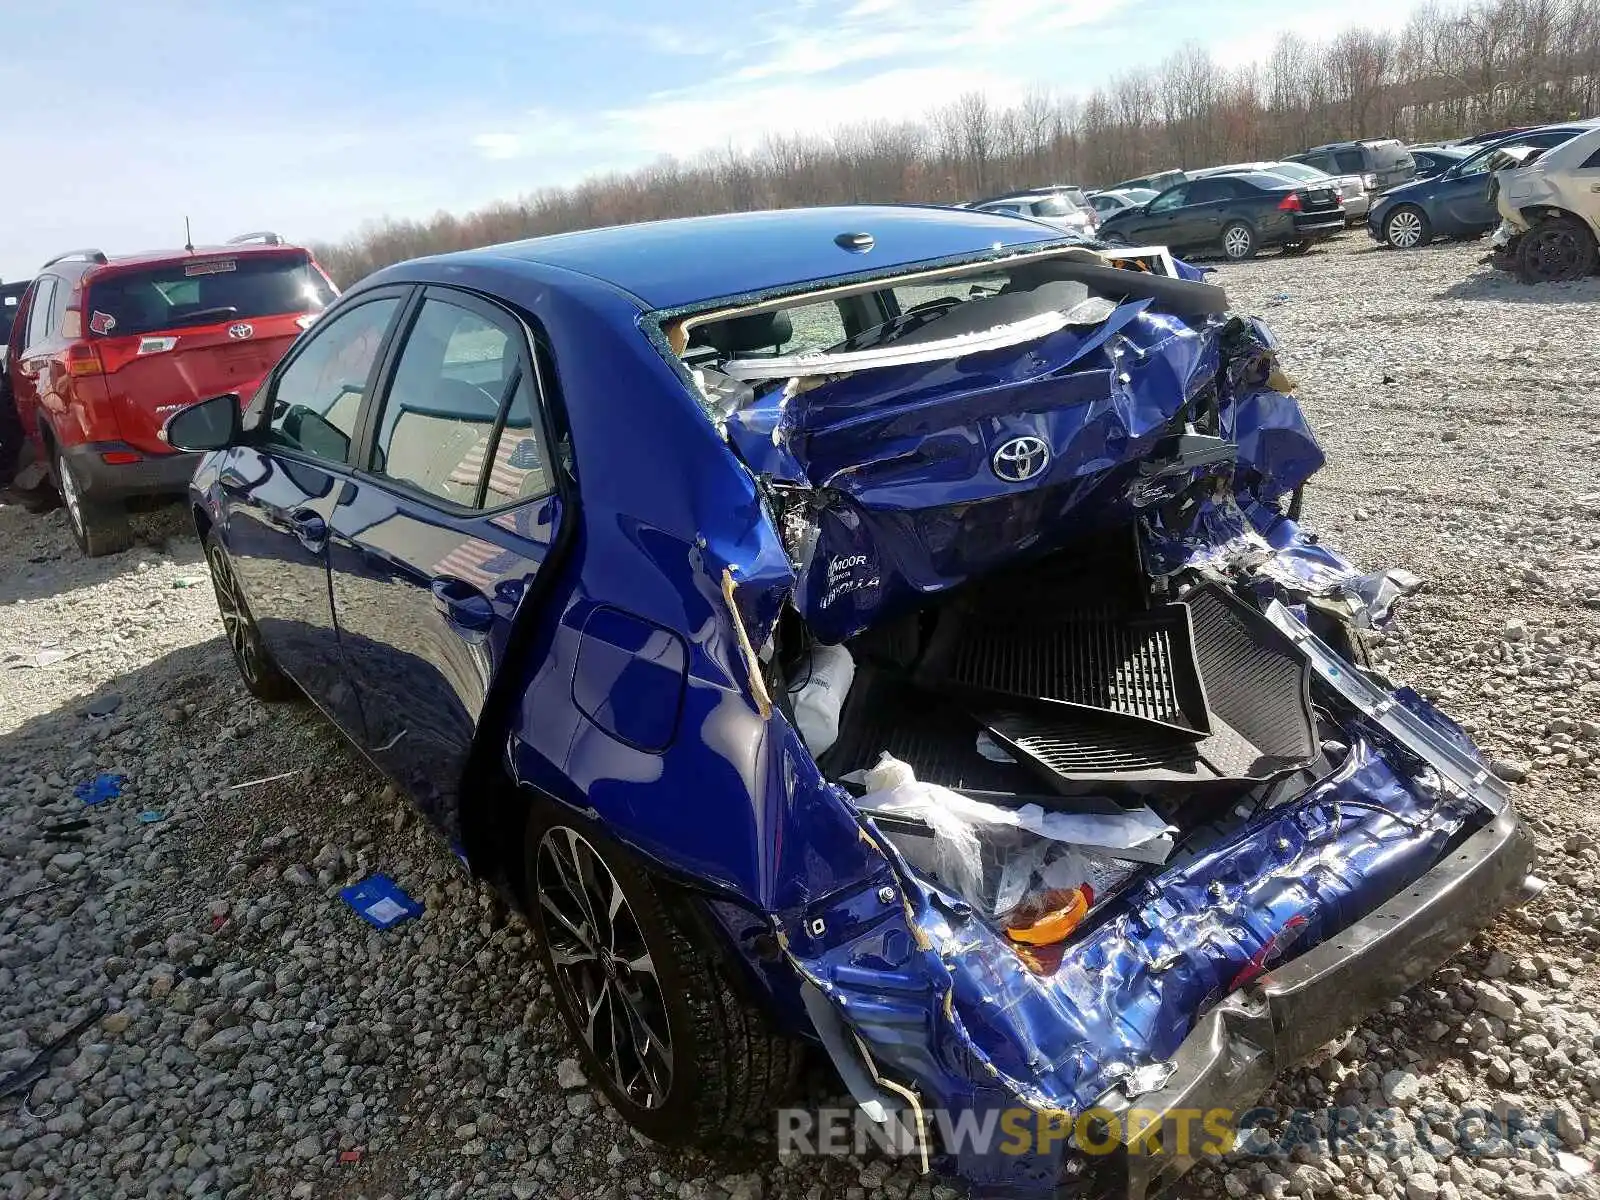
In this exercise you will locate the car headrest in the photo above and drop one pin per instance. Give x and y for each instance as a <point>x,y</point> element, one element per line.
<point>741,335</point>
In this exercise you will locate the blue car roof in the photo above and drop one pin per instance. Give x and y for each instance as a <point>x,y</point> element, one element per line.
<point>674,264</point>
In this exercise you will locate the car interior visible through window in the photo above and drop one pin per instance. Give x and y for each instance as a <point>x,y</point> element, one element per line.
<point>440,419</point>
<point>318,396</point>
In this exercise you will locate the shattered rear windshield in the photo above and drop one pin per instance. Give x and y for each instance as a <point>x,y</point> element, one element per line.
<point>988,306</point>
<point>205,291</point>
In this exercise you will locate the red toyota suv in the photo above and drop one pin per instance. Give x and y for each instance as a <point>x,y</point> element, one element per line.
<point>104,350</point>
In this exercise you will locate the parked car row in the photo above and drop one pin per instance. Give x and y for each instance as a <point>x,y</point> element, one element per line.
<point>1549,206</point>
<point>1457,200</point>
<point>102,350</point>
<point>1061,205</point>
<point>1405,196</point>
<point>1237,208</point>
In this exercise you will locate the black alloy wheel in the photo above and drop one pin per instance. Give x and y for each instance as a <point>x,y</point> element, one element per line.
<point>261,675</point>
<point>603,967</point>
<point>682,1056</point>
<point>1556,250</point>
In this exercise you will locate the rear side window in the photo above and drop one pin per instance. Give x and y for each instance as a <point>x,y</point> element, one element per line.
<point>10,303</point>
<point>205,291</point>
<point>318,395</point>
<point>1592,162</point>
<point>1054,206</point>
<point>39,310</point>
<point>1350,162</point>
<point>460,421</point>
<point>1208,191</point>
<point>1171,198</point>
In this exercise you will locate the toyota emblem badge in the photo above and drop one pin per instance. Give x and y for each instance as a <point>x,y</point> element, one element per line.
<point>1021,459</point>
<point>241,331</point>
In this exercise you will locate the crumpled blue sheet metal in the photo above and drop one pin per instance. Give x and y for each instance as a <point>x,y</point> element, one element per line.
<point>898,461</point>
<point>1239,539</point>
<point>1167,949</point>
<point>1275,442</point>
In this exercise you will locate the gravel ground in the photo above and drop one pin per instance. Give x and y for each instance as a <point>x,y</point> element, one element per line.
<point>246,1035</point>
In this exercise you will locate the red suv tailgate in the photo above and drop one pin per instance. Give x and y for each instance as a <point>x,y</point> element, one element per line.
<point>171,334</point>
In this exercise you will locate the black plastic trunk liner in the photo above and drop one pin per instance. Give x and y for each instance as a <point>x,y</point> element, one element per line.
<point>1073,631</point>
<point>1139,666</point>
<point>1256,684</point>
<point>939,741</point>
<point>1255,679</point>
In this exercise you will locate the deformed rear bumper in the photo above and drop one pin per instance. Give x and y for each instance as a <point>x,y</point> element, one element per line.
<point>1239,1047</point>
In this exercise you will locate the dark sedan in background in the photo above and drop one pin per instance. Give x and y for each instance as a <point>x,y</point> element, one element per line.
<point>1435,160</point>
<point>1456,202</point>
<point>1238,214</point>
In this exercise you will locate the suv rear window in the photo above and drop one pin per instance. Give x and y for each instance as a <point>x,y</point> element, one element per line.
<point>1058,205</point>
<point>1386,156</point>
<point>204,292</point>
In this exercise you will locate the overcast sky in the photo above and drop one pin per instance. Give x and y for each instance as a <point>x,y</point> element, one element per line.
<point>123,116</point>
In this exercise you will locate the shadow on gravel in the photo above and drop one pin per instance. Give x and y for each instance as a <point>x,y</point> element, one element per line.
<point>1501,288</point>
<point>52,565</point>
<point>188,734</point>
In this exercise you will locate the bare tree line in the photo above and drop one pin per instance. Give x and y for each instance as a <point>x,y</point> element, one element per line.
<point>1449,72</point>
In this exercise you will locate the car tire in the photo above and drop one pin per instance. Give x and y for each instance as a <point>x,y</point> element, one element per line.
<point>680,1056</point>
<point>1238,241</point>
<point>263,678</point>
<point>1407,228</point>
<point>1555,250</point>
<point>99,529</point>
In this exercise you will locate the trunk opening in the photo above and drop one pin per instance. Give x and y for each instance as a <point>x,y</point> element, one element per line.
<point>1070,686</point>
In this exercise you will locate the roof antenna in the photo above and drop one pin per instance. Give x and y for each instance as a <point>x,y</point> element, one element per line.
<point>188,238</point>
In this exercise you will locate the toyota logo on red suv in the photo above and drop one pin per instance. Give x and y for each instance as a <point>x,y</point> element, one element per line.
<point>241,331</point>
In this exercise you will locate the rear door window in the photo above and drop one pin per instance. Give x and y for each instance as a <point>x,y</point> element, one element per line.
<point>205,291</point>
<point>1209,191</point>
<point>1170,199</point>
<point>1054,206</point>
<point>317,398</point>
<point>39,310</point>
<point>1350,162</point>
<point>459,421</point>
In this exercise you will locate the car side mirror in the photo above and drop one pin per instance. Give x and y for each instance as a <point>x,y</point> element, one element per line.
<point>205,425</point>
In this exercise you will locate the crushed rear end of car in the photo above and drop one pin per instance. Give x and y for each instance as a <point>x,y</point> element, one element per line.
<point>1146,831</point>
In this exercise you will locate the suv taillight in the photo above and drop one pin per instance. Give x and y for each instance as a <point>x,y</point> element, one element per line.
<point>83,359</point>
<point>1290,203</point>
<point>1369,181</point>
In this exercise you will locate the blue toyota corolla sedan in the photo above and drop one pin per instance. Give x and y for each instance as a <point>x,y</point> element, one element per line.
<point>869,629</point>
